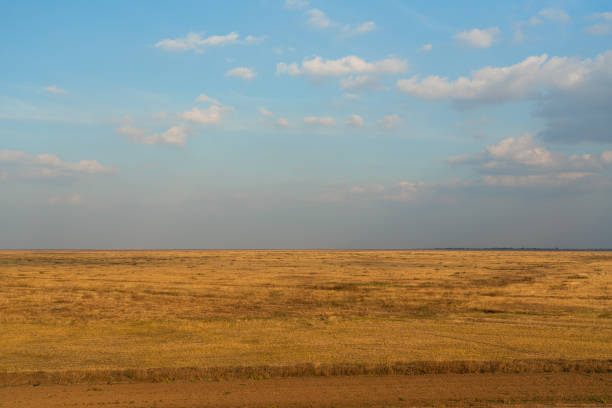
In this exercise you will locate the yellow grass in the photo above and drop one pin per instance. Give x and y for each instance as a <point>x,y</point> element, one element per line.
<point>110,310</point>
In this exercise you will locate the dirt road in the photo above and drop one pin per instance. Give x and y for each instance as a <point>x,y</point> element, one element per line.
<point>574,389</point>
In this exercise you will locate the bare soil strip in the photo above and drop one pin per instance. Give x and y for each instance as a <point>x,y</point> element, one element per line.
<point>574,389</point>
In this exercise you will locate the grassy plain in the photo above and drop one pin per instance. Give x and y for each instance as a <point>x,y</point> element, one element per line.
<point>117,310</point>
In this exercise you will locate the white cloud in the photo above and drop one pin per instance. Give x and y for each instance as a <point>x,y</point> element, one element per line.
<point>176,135</point>
<point>282,122</point>
<point>265,112</point>
<point>348,65</point>
<point>195,42</point>
<point>426,47</point>
<point>241,72</point>
<point>599,29</point>
<point>251,39</point>
<point>48,166</point>
<point>555,14</point>
<point>518,27</point>
<point>351,96</point>
<point>603,27</point>
<point>317,19</point>
<point>362,82</point>
<point>296,4</point>
<point>325,121</point>
<point>478,38</point>
<point>354,120</point>
<point>519,81</point>
<point>389,122</point>
<point>521,155</point>
<point>127,129</point>
<point>209,116</point>
<point>207,99</point>
<point>359,29</point>
<point>607,15</point>
<point>55,90</point>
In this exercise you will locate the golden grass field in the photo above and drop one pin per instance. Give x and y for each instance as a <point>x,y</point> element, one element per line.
<point>118,310</point>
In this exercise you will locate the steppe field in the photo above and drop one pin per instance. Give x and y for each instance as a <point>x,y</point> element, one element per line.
<point>305,328</point>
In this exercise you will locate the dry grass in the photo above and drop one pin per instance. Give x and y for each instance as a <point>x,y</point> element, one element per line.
<point>117,310</point>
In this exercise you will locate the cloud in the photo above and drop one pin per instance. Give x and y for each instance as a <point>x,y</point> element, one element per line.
<point>318,67</point>
<point>521,156</point>
<point>603,27</point>
<point>426,47</point>
<point>351,96</point>
<point>241,72</point>
<point>478,38</point>
<point>127,129</point>
<point>55,90</point>
<point>573,96</point>
<point>209,116</point>
<point>354,120</point>
<point>359,29</point>
<point>325,121</point>
<point>317,19</point>
<point>518,27</point>
<point>47,166</point>
<point>389,122</point>
<point>251,39</point>
<point>207,99</point>
<point>362,82</point>
<point>555,14</point>
<point>282,122</point>
<point>296,4</point>
<point>500,84</point>
<point>195,42</point>
<point>176,135</point>
<point>265,112</point>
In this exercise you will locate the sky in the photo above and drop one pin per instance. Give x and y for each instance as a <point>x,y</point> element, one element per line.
<point>305,124</point>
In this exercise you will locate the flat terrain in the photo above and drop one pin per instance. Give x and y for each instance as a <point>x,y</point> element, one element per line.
<point>462,390</point>
<point>138,316</point>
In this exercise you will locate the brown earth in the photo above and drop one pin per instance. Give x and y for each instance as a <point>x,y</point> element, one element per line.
<point>474,390</point>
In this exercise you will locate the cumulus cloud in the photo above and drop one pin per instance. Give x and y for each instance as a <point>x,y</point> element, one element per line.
<point>500,84</point>
<point>196,42</point>
<point>362,82</point>
<point>207,99</point>
<point>282,122</point>
<point>520,156</point>
<point>359,29</point>
<point>354,120</point>
<point>47,166</point>
<point>519,35</point>
<point>212,115</point>
<point>317,19</point>
<point>426,47</point>
<point>127,129</point>
<point>318,67</point>
<point>478,38</point>
<point>603,26</point>
<point>573,96</point>
<point>176,135</point>
<point>325,121</point>
<point>241,72</point>
<point>265,112</point>
<point>555,14</point>
<point>55,90</point>
<point>389,122</point>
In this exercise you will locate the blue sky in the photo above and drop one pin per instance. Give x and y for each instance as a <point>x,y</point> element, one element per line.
<point>305,124</point>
